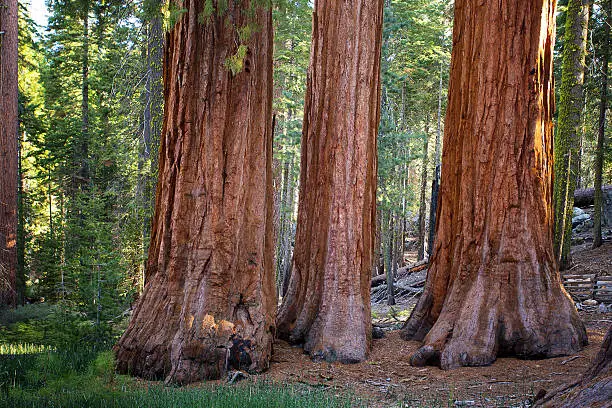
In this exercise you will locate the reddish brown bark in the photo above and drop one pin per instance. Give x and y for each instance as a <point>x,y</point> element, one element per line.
<point>593,390</point>
<point>493,287</point>
<point>327,305</point>
<point>8,151</point>
<point>210,301</point>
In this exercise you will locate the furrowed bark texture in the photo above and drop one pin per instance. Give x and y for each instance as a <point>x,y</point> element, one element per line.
<point>567,139</point>
<point>492,286</point>
<point>327,305</point>
<point>210,302</point>
<point>8,151</point>
<point>593,390</point>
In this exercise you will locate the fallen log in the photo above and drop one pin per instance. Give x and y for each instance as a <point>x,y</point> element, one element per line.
<point>415,267</point>
<point>584,197</point>
<point>398,288</point>
<point>417,284</point>
<point>380,293</point>
<point>379,280</point>
<point>407,270</point>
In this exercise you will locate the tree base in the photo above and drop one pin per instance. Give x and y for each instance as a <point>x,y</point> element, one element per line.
<point>594,389</point>
<point>341,344</point>
<point>341,333</point>
<point>597,393</point>
<point>204,353</point>
<point>475,329</point>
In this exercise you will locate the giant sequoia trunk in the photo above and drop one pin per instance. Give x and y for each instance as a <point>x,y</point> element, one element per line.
<point>594,389</point>
<point>327,305</point>
<point>492,286</point>
<point>209,301</point>
<point>567,139</point>
<point>8,151</point>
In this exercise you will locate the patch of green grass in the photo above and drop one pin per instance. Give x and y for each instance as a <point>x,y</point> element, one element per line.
<point>55,326</point>
<point>404,314</point>
<point>255,396</point>
<point>34,376</point>
<point>36,311</point>
<point>394,313</point>
<point>17,349</point>
<point>36,370</point>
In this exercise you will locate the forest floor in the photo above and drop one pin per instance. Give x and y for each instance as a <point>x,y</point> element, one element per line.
<point>36,373</point>
<point>388,380</point>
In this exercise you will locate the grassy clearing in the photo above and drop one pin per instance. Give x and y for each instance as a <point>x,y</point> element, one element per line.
<point>49,368</point>
<point>158,396</point>
<point>49,359</point>
<point>35,377</point>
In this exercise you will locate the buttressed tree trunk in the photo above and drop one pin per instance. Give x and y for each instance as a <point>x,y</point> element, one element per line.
<point>327,306</point>
<point>210,302</point>
<point>8,151</point>
<point>594,389</point>
<point>492,286</point>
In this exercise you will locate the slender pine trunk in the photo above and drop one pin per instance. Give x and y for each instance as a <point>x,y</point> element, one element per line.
<point>84,147</point>
<point>435,185</point>
<point>423,203</point>
<point>390,260</point>
<point>567,138</point>
<point>601,130</point>
<point>152,119</point>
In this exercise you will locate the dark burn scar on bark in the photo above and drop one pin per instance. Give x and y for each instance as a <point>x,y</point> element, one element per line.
<point>240,353</point>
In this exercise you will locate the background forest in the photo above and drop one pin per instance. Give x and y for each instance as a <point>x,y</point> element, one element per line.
<point>91,110</point>
<point>90,118</point>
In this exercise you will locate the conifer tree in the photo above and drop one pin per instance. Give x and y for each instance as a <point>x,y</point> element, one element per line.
<point>327,305</point>
<point>493,286</point>
<point>209,302</point>
<point>567,137</point>
<point>8,151</point>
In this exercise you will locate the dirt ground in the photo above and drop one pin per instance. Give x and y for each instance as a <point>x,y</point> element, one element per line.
<point>388,380</point>
<point>587,260</point>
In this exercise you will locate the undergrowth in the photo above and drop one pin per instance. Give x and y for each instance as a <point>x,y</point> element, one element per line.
<point>87,379</point>
<point>56,365</point>
<point>52,359</point>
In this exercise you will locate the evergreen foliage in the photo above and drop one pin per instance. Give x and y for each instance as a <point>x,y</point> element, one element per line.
<point>80,214</point>
<point>90,117</point>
